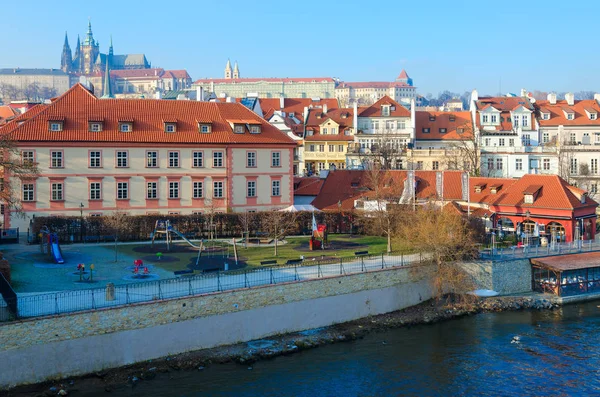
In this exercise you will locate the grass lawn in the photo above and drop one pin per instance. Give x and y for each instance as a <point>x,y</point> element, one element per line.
<point>183,255</point>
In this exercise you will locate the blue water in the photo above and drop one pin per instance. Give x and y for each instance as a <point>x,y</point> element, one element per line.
<point>558,355</point>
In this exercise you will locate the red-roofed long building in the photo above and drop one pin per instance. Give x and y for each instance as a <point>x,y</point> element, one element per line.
<point>366,93</point>
<point>149,156</point>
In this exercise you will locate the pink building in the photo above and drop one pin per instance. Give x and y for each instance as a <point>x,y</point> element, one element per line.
<point>148,156</point>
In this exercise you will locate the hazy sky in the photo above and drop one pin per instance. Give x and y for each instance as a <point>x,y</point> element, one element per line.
<point>455,45</point>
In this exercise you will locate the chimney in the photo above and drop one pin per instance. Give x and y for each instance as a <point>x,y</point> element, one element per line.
<point>230,99</point>
<point>355,117</point>
<point>199,94</point>
<point>212,86</point>
<point>474,97</point>
<point>158,95</point>
<point>413,120</point>
<point>324,108</point>
<point>305,115</point>
<point>281,102</point>
<point>597,98</point>
<point>523,92</point>
<point>570,98</point>
<point>552,98</point>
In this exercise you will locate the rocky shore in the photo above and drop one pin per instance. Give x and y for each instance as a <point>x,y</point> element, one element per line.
<point>250,352</point>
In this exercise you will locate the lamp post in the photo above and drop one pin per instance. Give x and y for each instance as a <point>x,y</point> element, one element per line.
<point>339,204</point>
<point>527,214</point>
<point>81,222</point>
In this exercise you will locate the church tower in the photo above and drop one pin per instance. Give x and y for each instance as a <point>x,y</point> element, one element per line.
<point>236,71</point>
<point>66,60</point>
<point>89,52</point>
<point>228,70</point>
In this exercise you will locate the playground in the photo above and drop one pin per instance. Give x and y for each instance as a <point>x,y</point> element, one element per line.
<point>51,266</point>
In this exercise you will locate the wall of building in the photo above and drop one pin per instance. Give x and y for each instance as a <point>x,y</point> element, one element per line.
<point>85,342</point>
<point>266,89</point>
<point>505,277</point>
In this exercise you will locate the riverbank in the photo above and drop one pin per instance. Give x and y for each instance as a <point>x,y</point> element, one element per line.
<point>248,353</point>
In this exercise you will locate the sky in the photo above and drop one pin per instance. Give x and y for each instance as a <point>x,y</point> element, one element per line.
<point>447,45</point>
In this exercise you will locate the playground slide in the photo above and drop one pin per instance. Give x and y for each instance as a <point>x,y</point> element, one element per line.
<point>185,239</point>
<point>57,254</point>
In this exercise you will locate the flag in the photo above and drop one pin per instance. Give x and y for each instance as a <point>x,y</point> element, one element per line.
<point>314,223</point>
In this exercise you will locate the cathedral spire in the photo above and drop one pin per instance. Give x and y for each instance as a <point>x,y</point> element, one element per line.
<point>228,69</point>
<point>236,71</point>
<point>89,38</point>
<point>66,60</point>
<point>110,49</point>
<point>106,88</point>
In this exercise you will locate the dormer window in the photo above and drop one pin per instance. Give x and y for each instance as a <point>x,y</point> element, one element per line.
<point>125,126</point>
<point>570,116</point>
<point>255,129</point>
<point>431,118</point>
<point>460,130</point>
<point>385,110</point>
<point>425,130</point>
<point>528,198</point>
<point>593,116</point>
<point>583,198</point>
<point>239,129</point>
<point>484,118</point>
<point>55,125</point>
<point>204,128</point>
<point>495,189</point>
<point>442,130</point>
<point>94,126</point>
<point>170,127</point>
<point>291,114</point>
<point>494,118</point>
<point>452,117</point>
<point>545,116</point>
<point>479,188</point>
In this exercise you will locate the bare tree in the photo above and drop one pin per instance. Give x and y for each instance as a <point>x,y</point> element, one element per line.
<point>246,220</point>
<point>465,154</point>
<point>385,153</point>
<point>118,223</point>
<point>445,237</point>
<point>9,92</point>
<point>277,225</point>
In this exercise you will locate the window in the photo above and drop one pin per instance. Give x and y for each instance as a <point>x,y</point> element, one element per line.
<point>442,130</point>
<point>56,159</point>
<point>573,168</point>
<point>501,142</point>
<point>218,189</point>
<point>125,127</point>
<point>570,116</point>
<point>494,118</point>
<point>511,142</point>
<point>594,188</point>
<point>122,159</point>
<point>27,157</point>
<point>573,138</point>
<point>311,148</point>
<point>425,130</point>
<point>321,148</point>
<point>594,166</point>
<point>173,159</point>
<point>205,128</point>
<point>251,159</point>
<point>122,190</point>
<point>528,199</point>
<point>332,148</point>
<point>524,120</point>
<point>152,190</point>
<point>238,129</point>
<point>341,148</point>
<point>173,190</point>
<point>151,159</point>
<point>198,159</point>
<point>28,192</point>
<point>490,164</point>
<point>95,191</point>
<point>57,192</point>
<point>217,159</point>
<point>197,191</point>
<point>324,130</point>
<point>488,141</point>
<point>546,164</point>
<point>276,159</point>
<point>401,124</point>
<point>419,165</point>
<point>56,126</point>
<point>251,188</point>
<point>95,127</point>
<point>333,131</point>
<point>275,188</point>
<point>170,127</point>
<point>545,116</point>
<point>519,164</point>
<point>95,159</point>
<point>526,139</point>
<point>593,116</point>
<point>499,164</point>
<point>515,121</point>
<point>385,111</point>
<point>435,165</point>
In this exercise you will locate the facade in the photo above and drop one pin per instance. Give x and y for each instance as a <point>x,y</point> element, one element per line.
<point>54,80</point>
<point>149,156</point>
<point>572,128</point>
<point>87,58</point>
<point>134,83</point>
<point>509,137</point>
<point>367,93</point>
<point>384,131</point>
<point>232,85</point>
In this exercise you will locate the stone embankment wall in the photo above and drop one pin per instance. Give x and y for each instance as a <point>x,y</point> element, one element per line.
<point>85,342</point>
<point>504,277</point>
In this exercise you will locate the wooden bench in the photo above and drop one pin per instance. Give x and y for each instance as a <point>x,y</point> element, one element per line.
<point>293,261</point>
<point>181,272</point>
<point>211,269</point>
<point>361,253</point>
<point>271,262</point>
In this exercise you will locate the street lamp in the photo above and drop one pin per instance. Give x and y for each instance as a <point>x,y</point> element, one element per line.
<point>339,205</point>
<point>81,222</point>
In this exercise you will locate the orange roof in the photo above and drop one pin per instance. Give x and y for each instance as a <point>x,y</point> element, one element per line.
<point>505,105</point>
<point>374,84</point>
<point>558,117</point>
<point>309,186</point>
<point>78,104</point>
<point>375,109</point>
<point>403,75</point>
<point>342,116</point>
<point>6,112</point>
<point>296,105</point>
<point>451,121</point>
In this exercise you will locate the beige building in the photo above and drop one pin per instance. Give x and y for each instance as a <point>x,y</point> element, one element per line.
<point>54,81</point>
<point>367,93</point>
<point>134,83</point>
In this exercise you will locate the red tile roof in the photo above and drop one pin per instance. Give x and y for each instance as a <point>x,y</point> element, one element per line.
<point>403,75</point>
<point>374,84</point>
<point>505,105</point>
<point>296,105</point>
<point>309,186</point>
<point>558,117</point>
<point>268,79</point>
<point>443,120</point>
<point>375,109</point>
<point>148,115</point>
<point>342,116</point>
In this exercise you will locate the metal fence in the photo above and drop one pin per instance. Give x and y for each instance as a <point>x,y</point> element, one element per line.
<point>524,252</point>
<point>34,305</point>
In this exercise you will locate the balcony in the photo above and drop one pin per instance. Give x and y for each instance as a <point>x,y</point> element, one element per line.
<point>578,147</point>
<point>331,156</point>
<point>519,149</point>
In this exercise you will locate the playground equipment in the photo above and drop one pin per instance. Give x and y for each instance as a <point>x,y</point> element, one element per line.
<point>49,245</point>
<point>165,227</point>
<point>318,238</point>
<point>82,272</point>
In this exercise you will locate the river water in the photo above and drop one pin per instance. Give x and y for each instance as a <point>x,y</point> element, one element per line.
<point>558,354</point>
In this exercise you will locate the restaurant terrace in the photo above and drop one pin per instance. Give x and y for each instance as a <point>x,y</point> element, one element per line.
<point>567,275</point>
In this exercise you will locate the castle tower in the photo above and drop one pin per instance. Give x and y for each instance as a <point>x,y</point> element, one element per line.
<point>66,60</point>
<point>228,70</point>
<point>236,71</point>
<point>89,52</point>
<point>106,87</point>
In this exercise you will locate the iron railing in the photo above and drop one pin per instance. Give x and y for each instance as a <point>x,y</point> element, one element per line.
<point>45,304</point>
<point>515,252</point>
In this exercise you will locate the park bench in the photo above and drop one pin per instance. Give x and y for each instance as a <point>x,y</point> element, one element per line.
<point>181,272</point>
<point>271,262</point>
<point>211,269</point>
<point>361,253</point>
<point>293,261</point>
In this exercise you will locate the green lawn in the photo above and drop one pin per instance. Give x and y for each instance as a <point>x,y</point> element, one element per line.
<point>339,246</point>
